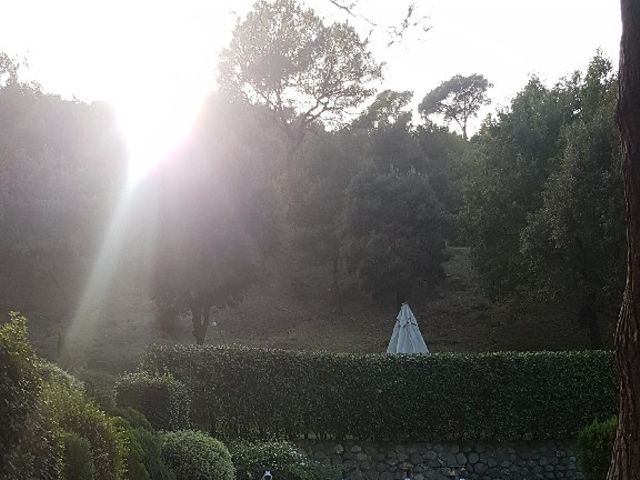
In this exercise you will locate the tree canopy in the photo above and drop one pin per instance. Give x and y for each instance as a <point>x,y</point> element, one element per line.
<point>285,58</point>
<point>457,99</point>
<point>543,203</point>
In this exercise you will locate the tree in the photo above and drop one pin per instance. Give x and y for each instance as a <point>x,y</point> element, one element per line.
<point>509,162</point>
<point>388,108</point>
<point>316,196</point>
<point>215,214</point>
<point>573,244</point>
<point>285,58</point>
<point>626,450</point>
<point>395,32</point>
<point>392,233</point>
<point>8,70</point>
<point>457,99</point>
<point>541,204</point>
<point>444,153</point>
<point>63,166</point>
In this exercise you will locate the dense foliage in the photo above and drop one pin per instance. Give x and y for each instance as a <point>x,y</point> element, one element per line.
<point>594,446</point>
<point>62,164</point>
<point>457,99</point>
<point>210,214</point>
<point>78,459</point>
<point>543,198</point>
<point>283,459</point>
<point>284,57</point>
<point>53,431</point>
<point>196,456</point>
<point>19,384</point>
<point>160,398</point>
<point>392,232</point>
<point>76,414</point>
<point>253,393</point>
<point>30,443</point>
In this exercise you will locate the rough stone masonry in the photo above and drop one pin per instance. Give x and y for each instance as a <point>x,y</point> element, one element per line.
<point>443,461</point>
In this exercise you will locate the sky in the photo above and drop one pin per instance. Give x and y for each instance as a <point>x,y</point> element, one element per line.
<point>155,60</point>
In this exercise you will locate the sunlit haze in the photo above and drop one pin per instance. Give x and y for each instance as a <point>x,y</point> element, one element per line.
<point>156,61</point>
<point>328,239</point>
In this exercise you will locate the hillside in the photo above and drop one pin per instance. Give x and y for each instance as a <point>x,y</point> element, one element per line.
<point>293,307</point>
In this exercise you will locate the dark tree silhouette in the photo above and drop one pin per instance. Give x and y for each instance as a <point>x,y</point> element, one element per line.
<point>626,450</point>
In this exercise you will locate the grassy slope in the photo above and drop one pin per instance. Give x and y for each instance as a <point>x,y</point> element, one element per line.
<point>294,307</point>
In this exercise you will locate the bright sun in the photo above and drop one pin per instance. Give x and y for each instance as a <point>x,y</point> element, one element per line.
<point>161,78</point>
<point>153,126</point>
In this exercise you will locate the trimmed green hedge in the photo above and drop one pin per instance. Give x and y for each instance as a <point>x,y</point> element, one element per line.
<point>594,446</point>
<point>283,459</point>
<point>160,398</point>
<point>30,443</point>
<point>252,393</point>
<point>195,455</point>
<point>76,414</point>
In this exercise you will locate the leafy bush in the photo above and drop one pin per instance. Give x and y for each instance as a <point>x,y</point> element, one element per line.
<point>30,446</point>
<point>98,386</point>
<point>134,456</point>
<point>19,383</point>
<point>284,460</point>
<point>594,446</point>
<point>160,398</point>
<point>151,443</point>
<point>78,461</point>
<point>252,393</point>
<point>74,413</point>
<point>147,442</point>
<point>132,416</point>
<point>196,456</point>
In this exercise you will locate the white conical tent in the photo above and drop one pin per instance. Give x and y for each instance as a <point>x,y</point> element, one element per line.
<point>406,336</point>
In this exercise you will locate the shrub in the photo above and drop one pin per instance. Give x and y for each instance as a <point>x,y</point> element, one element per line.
<point>39,450</point>
<point>30,445</point>
<point>151,443</point>
<point>284,460</point>
<point>78,461</point>
<point>134,456</point>
<point>132,416</point>
<point>194,455</point>
<point>594,446</point>
<point>98,386</point>
<point>252,393</point>
<point>160,398</point>
<point>50,372</point>
<point>148,445</point>
<point>74,413</point>
<point>19,384</point>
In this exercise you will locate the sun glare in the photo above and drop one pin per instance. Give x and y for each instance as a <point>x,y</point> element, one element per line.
<point>166,79</point>
<point>153,127</point>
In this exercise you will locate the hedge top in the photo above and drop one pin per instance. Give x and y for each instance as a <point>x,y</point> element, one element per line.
<point>283,394</point>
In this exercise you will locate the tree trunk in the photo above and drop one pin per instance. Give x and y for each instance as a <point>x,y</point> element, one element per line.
<point>200,321</point>
<point>335,278</point>
<point>589,318</point>
<point>626,450</point>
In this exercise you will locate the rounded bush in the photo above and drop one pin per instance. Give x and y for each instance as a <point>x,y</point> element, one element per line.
<point>195,455</point>
<point>74,413</point>
<point>594,446</point>
<point>19,386</point>
<point>160,398</point>
<point>78,461</point>
<point>284,460</point>
<point>151,443</point>
<point>30,441</point>
<point>133,417</point>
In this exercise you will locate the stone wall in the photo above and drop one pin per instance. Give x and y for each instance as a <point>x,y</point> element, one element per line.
<point>443,461</point>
